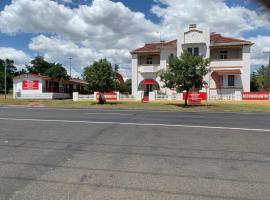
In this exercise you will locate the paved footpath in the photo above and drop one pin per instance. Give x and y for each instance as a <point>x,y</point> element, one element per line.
<point>95,154</point>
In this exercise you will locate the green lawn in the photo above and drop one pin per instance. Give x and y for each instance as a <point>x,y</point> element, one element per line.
<point>245,106</point>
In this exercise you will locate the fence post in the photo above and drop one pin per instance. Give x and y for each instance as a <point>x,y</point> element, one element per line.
<point>118,96</point>
<point>75,96</point>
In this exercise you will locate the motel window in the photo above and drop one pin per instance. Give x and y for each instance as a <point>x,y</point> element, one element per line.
<point>194,51</point>
<point>231,80</point>
<point>149,61</point>
<point>223,55</point>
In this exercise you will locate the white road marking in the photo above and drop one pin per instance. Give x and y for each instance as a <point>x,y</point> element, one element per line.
<point>137,124</point>
<point>111,113</point>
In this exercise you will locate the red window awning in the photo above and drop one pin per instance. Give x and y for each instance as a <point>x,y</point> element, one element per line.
<point>149,82</point>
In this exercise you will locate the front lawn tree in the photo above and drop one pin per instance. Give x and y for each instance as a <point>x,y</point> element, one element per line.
<point>100,76</point>
<point>185,73</point>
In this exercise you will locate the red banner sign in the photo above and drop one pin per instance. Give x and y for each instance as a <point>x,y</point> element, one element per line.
<point>195,96</point>
<point>30,85</point>
<point>112,96</point>
<point>255,95</point>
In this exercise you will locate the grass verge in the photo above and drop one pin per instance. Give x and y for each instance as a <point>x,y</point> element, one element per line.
<point>243,106</point>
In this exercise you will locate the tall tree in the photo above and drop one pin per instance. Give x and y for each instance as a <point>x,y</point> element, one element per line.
<point>185,73</point>
<point>38,65</point>
<point>11,72</point>
<point>263,78</point>
<point>128,84</point>
<point>57,71</point>
<point>100,76</point>
<point>254,86</point>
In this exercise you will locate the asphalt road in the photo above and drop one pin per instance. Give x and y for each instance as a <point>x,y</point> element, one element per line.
<point>79,154</point>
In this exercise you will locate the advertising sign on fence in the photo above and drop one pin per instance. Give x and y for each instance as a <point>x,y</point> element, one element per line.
<point>195,98</point>
<point>255,95</point>
<point>109,96</point>
<point>30,85</point>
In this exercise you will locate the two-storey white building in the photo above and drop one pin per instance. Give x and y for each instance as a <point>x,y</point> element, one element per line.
<point>230,62</point>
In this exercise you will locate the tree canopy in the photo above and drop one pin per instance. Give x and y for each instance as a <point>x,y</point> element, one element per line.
<point>100,76</point>
<point>185,73</point>
<point>260,80</point>
<point>40,66</point>
<point>11,72</point>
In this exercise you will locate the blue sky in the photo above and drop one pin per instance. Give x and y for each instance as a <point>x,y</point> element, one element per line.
<point>94,36</point>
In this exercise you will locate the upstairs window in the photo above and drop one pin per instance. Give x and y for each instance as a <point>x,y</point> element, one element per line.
<point>231,80</point>
<point>149,61</point>
<point>194,51</point>
<point>223,55</point>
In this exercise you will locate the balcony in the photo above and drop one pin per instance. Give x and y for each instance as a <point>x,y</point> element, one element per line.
<point>227,63</point>
<point>148,68</point>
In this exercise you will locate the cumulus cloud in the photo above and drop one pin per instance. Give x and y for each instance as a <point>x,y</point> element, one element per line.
<point>258,51</point>
<point>110,29</point>
<point>20,58</point>
<point>101,29</point>
<point>215,14</point>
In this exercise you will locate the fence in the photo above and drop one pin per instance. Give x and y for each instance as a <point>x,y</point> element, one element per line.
<point>43,96</point>
<point>163,97</point>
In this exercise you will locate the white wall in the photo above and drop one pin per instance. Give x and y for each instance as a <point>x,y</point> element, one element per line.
<point>17,85</point>
<point>134,74</point>
<point>246,69</point>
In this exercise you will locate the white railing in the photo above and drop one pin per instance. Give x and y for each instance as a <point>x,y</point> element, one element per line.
<point>225,97</point>
<point>88,97</point>
<point>125,97</point>
<point>44,96</point>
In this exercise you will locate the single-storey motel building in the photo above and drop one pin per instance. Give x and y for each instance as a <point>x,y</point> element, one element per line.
<point>230,62</point>
<point>34,86</point>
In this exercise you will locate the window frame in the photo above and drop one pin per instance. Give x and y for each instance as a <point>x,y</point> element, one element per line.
<point>230,79</point>
<point>223,55</point>
<point>149,61</point>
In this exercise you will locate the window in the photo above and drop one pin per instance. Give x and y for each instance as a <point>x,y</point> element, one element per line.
<point>194,51</point>
<point>231,80</point>
<point>223,55</point>
<point>149,61</point>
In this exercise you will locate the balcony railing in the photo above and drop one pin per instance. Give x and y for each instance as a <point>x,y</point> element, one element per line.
<point>149,68</point>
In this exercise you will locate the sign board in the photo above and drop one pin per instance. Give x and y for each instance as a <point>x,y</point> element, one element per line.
<point>109,96</point>
<point>255,96</point>
<point>195,98</point>
<point>30,85</point>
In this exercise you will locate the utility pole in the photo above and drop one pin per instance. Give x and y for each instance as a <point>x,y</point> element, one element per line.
<point>268,52</point>
<point>5,79</point>
<point>70,58</point>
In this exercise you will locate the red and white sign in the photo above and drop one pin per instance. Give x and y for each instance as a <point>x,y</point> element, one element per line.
<point>255,95</point>
<point>30,85</point>
<point>109,96</point>
<point>195,95</point>
<point>195,98</point>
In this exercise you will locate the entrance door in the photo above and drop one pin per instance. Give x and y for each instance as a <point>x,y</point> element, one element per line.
<point>149,88</point>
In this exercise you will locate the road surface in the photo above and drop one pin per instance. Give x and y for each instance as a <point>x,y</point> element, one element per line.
<point>61,154</point>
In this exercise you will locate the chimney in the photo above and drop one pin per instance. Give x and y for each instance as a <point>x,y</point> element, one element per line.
<point>192,26</point>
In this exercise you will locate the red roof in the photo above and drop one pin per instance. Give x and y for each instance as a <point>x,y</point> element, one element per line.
<point>155,47</point>
<point>218,39</point>
<point>215,39</point>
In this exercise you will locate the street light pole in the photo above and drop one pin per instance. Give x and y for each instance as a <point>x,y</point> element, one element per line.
<point>70,58</point>
<point>5,79</point>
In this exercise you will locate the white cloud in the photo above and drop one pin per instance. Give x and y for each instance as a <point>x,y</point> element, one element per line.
<point>19,57</point>
<point>258,51</point>
<point>215,14</point>
<point>108,29</point>
<point>101,29</point>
